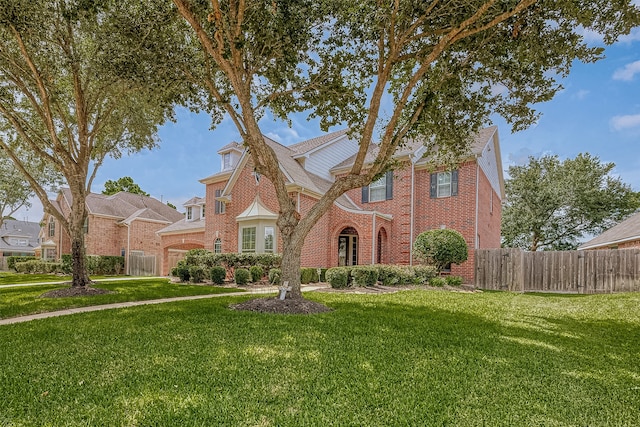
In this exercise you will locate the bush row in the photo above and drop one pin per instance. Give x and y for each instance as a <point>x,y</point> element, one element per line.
<point>37,266</point>
<point>96,264</point>
<point>12,260</point>
<point>387,275</point>
<point>231,261</point>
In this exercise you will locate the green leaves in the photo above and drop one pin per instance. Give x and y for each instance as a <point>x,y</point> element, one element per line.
<point>552,204</point>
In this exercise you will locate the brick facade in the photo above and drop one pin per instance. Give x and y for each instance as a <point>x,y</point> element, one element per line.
<point>384,230</point>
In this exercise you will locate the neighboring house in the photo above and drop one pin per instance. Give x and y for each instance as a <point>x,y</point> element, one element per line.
<point>121,224</point>
<point>622,236</point>
<point>17,238</point>
<point>374,224</point>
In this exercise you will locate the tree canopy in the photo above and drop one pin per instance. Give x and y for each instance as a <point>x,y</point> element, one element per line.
<point>77,87</point>
<point>390,71</point>
<point>122,184</point>
<point>553,204</point>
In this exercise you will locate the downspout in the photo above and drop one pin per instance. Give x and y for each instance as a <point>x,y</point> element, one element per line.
<point>126,260</point>
<point>475,237</point>
<point>373,240</point>
<point>411,211</point>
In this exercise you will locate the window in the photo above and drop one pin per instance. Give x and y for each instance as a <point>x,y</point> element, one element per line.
<point>380,189</point>
<point>85,227</point>
<point>50,254</point>
<point>249,239</point>
<point>219,209</point>
<point>14,241</point>
<point>444,184</point>
<point>226,161</point>
<point>189,213</point>
<point>269,233</point>
<point>52,227</point>
<point>202,212</point>
<point>217,246</point>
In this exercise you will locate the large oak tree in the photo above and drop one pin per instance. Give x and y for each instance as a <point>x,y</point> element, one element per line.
<point>390,70</point>
<point>552,204</point>
<point>76,87</point>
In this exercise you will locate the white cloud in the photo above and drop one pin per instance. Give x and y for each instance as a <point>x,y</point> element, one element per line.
<point>633,36</point>
<point>581,94</point>
<point>625,122</point>
<point>628,72</point>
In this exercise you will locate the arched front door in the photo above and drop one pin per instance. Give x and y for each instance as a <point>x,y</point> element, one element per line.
<point>348,247</point>
<point>382,243</point>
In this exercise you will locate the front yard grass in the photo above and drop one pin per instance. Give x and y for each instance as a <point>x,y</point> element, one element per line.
<point>410,358</point>
<point>20,301</point>
<point>10,278</point>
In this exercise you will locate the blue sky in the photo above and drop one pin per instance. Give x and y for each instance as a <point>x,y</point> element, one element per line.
<point>597,112</point>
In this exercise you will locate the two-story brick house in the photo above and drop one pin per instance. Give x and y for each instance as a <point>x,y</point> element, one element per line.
<point>374,224</point>
<point>119,225</point>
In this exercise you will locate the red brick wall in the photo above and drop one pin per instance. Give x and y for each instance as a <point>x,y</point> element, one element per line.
<point>184,241</point>
<point>321,245</point>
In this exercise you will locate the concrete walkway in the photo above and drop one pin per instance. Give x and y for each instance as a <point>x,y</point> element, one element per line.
<point>12,320</point>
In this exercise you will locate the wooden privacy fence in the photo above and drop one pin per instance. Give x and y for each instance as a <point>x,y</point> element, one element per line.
<point>142,265</point>
<point>583,272</point>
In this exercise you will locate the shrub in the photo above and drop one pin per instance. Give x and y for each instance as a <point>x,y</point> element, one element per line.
<point>441,247</point>
<point>323,275</point>
<point>173,272</point>
<point>12,260</point>
<point>242,276</point>
<point>453,280</point>
<point>196,274</point>
<point>67,267</point>
<point>395,275</point>
<point>364,275</point>
<point>183,271</point>
<point>217,274</point>
<point>424,273</point>
<point>338,277</point>
<point>37,266</point>
<point>437,281</point>
<point>257,273</point>
<point>308,275</point>
<point>275,276</point>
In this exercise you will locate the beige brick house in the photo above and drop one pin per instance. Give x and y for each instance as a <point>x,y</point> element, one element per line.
<point>374,224</point>
<point>119,225</point>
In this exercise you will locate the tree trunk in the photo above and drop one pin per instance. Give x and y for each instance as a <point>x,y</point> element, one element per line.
<point>76,233</point>
<point>291,253</point>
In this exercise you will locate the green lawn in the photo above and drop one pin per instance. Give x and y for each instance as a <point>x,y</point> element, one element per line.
<point>10,278</point>
<point>20,301</point>
<point>412,358</point>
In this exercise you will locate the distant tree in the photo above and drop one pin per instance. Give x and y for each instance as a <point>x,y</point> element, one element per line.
<point>441,247</point>
<point>123,184</point>
<point>392,71</point>
<point>171,205</point>
<point>15,190</point>
<point>76,87</point>
<point>552,204</point>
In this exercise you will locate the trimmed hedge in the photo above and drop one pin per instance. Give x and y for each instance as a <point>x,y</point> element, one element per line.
<point>217,274</point>
<point>338,277</point>
<point>364,275</point>
<point>232,261</point>
<point>454,280</point>
<point>242,276</point>
<point>96,264</point>
<point>12,260</point>
<point>196,274</point>
<point>309,275</point>
<point>257,273</point>
<point>37,266</point>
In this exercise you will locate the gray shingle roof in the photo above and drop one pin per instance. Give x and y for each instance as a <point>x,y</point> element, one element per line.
<point>313,143</point>
<point>627,230</point>
<point>184,226</point>
<point>128,206</point>
<point>19,229</point>
<point>477,145</point>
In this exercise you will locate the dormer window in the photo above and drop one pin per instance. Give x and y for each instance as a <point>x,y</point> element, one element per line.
<point>226,161</point>
<point>202,212</point>
<point>189,213</point>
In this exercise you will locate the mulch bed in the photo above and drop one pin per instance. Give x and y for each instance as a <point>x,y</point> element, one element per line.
<point>276,305</point>
<point>75,291</point>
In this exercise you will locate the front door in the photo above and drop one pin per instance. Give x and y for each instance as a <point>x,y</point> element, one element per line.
<point>348,247</point>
